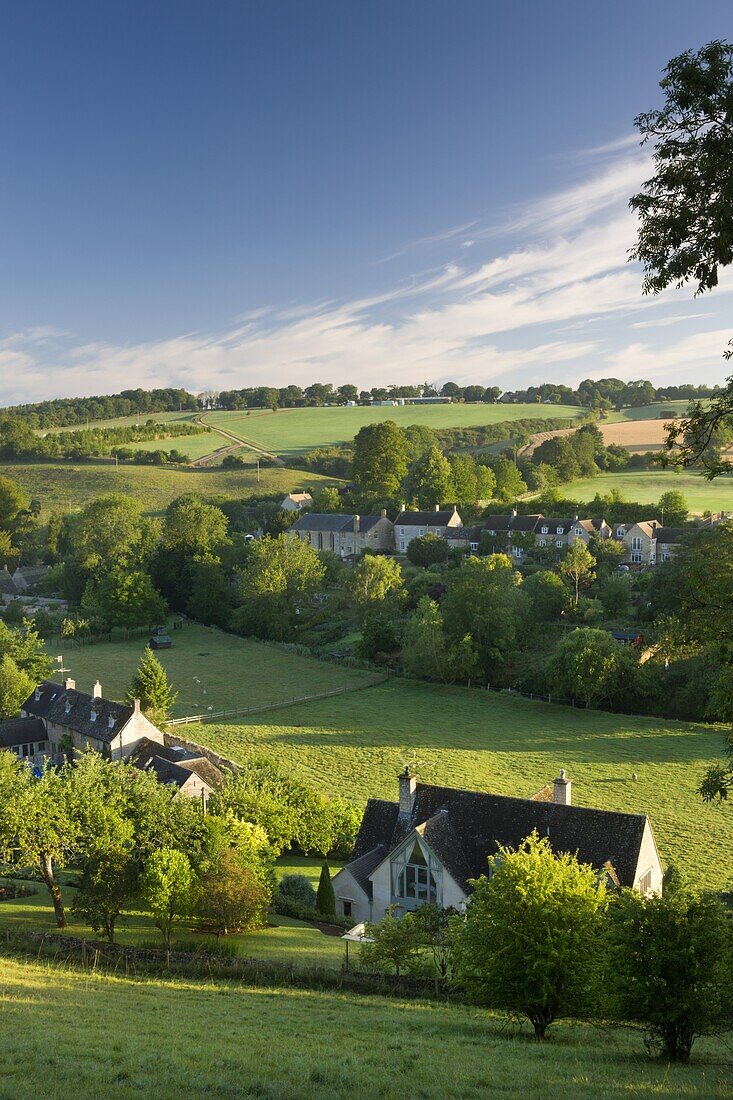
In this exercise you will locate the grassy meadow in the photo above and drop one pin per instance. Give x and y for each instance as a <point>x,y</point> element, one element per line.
<point>284,940</point>
<point>195,446</point>
<point>355,744</point>
<point>210,670</point>
<point>64,487</point>
<point>85,1034</point>
<point>292,431</point>
<point>648,485</point>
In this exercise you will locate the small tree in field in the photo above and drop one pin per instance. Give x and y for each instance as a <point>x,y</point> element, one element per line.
<point>150,685</point>
<point>107,887</point>
<point>325,897</point>
<point>395,942</point>
<point>671,966</point>
<point>531,939</point>
<point>166,886</point>
<point>577,565</point>
<point>231,898</point>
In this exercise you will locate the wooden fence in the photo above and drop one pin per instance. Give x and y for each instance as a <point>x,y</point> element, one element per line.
<point>280,704</point>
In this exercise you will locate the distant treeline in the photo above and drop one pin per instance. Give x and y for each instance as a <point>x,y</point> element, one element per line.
<point>19,441</point>
<point>62,412</point>
<point>603,393</point>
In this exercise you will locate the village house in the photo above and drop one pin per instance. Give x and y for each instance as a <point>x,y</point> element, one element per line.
<point>648,543</point>
<point>412,525</point>
<point>344,535</point>
<point>189,772</point>
<point>296,502</point>
<point>583,530</point>
<point>426,846</point>
<point>88,721</point>
<point>26,737</point>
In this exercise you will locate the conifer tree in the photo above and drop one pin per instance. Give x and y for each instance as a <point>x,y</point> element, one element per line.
<point>325,897</point>
<point>150,685</point>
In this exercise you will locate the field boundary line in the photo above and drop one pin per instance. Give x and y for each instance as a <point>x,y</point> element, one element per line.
<point>237,712</point>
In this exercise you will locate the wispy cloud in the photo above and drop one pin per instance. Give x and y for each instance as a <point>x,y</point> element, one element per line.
<point>558,301</point>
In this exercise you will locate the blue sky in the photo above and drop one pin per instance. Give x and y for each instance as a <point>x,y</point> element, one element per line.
<point>226,194</point>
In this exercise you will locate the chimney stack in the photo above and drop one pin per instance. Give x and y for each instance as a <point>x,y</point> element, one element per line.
<point>357,524</point>
<point>69,684</point>
<point>383,513</point>
<point>514,513</point>
<point>436,507</point>
<point>561,789</point>
<point>407,784</point>
<point>97,690</point>
<point>136,706</point>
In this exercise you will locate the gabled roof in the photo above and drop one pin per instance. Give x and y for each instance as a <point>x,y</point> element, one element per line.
<point>21,731</point>
<point>54,698</point>
<point>333,522</point>
<point>426,519</point>
<point>174,764</point>
<point>669,534</point>
<point>469,826</point>
<point>556,526</point>
<point>527,523</point>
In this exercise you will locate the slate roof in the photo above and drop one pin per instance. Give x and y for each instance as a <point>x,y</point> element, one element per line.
<point>467,827</point>
<point>555,526</point>
<point>426,519</point>
<point>173,764</point>
<point>21,731</point>
<point>335,522</point>
<point>51,706</point>
<point>669,534</point>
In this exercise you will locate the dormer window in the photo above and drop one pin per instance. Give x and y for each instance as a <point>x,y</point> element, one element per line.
<point>545,530</point>
<point>620,532</point>
<point>561,531</point>
<point>67,707</point>
<point>578,530</point>
<point>37,695</point>
<point>93,716</point>
<point>111,722</point>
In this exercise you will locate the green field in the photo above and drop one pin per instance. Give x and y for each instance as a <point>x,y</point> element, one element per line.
<point>210,670</point>
<point>126,421</point>
<point>66,487</point>
<point>355,744</point>
<point>195,446</point>
<point>292,431</point>
<point>89,1035</point>
<point>285,940</point>
<point>648,412</point>
<point>648,485</point>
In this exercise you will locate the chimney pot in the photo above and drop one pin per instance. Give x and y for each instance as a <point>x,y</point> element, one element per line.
<point>69,684</point>
<point>436,507</point>
<point>407,787</point>
<point>562,789</point>
<point>97,690</point>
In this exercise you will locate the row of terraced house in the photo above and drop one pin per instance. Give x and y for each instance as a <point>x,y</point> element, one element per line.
<point>647,543</point>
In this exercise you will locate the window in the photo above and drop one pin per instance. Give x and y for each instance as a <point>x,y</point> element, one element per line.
<point>545,531</point>
<point>421,531</point>
<point>578,530</point>
<point>636,557</point>
<point>416,878</point>
<point>620,532</point>
<point>346,907</point>
<point>558,544</point>
<point>543,542</point>
<point>560,531</point>
<point>645,882</point>
<point>402,530</point>
<point>474,546</point>
<point>636,543</point>
<point>402,546</point>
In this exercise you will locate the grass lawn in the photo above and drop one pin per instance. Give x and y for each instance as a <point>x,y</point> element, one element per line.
<point>645,486</point>
<point>210,670</point>
<point>291,431</point>
<point>356,744</point>
<point>69,1032</point>
<point>65,487</point>
<point>284,940</point>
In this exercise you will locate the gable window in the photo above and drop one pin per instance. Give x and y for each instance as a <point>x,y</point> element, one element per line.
<point>346,906</point>
<point>578,530</point>
<point>645,882</point>
<point>636,543</point>
<point>402,530</point>
<point>416,877</point>
<point>620,532</point>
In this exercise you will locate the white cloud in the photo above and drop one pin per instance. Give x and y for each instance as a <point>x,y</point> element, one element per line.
<point>515,315</point>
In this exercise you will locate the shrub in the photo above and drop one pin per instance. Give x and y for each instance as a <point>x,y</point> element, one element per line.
<point>298,889</point>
